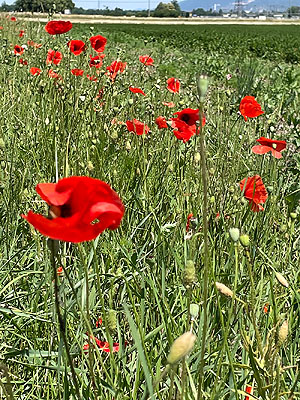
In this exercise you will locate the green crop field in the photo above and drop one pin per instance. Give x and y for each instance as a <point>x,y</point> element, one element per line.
<point>206,244</point>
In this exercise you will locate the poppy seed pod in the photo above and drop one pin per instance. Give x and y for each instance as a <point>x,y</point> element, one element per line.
<point>202,87</point>
<point>283,332</point>
<point>189,273</point>
<point>234,234</point>
<point>245,240</point>
<point>181,347</point>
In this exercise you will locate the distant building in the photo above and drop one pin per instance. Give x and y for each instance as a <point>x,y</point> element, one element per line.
<point>67,12</point>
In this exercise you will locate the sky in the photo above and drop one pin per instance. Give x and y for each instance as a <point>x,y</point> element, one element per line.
<point>125,4</point>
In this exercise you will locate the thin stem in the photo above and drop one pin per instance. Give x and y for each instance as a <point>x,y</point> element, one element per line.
<point>61,322</point>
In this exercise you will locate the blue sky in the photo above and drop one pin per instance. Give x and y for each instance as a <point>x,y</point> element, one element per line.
<point>125,4</point>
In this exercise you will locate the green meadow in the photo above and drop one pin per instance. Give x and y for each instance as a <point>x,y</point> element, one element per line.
<point>97,319</point>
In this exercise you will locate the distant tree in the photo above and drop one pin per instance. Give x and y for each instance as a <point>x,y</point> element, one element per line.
<point>166,10</point>
<point>43,5</point>
<point>294,10</point>
<point>7,7</point>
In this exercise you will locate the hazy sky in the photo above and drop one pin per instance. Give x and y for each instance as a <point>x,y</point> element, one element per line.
<point>125,4</point>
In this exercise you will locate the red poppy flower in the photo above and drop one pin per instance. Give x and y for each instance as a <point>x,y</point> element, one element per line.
<point>189,217</point>
<point>98,43</point>
<point>248,390</point>
<point>77,72</point>
<point>54,57</point>
<point>96,61</point>
<point>58,27</point>
<point>146,60</point>
<point>254,191</point>
<point>53,74</point>
<point>189,116</point>
<point>185,123</point>
<point>21,33</point>
<point>76,46</point>
<point>103,345</point>
<point>35,71</point>
<point>23,62</point>
<point>173,85</point>
<point>250,108</point>
<point>18,50</point>
<point>161,122</point>
<point>266,308</point>
<point>92,78</point>
<point>13,18</point>
<point>99,322</point>
<point>137,127</point>
<point>136,90</point>
<point>59,271</point>
<point>275,146</point>
<point>1,27</point>
<point>115,67</point>
<point>81,208</point>
<point>169,104</point>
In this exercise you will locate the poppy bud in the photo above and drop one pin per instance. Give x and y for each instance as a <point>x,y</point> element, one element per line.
<point>189,273</point>
<point>181,347</point>
<point>231,189</point>
<point>112,320</point>
<point>211,171</point>
<point>128,146</point>
<point>194,311</point>
<point>197,157</point>
<point>245,240</point>
<point>224,289</point>
<point>283,332</point>
<point>234,234</point>
<point>2,144</point>
<point>281,279</point>
<point>293,215</point>
<point>212,200</point>
<point>90,166</point>
<point>114,135</point>
<point>202,87</point>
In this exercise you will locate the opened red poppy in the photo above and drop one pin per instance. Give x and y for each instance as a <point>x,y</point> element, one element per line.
<point>185,123</point>
<point>35,71</point>
<point>21,33</point>
<point>146,60</point>
<point>53,74</point>
<point>173,85</point>
<point>53,57</point>
<point>13,18</point>
<point>250,108</point>
<point>18,50</point>
<point>161,122</point>
<point>136,90</point>
<point>23,62</point>
<point>189,115</point>
<point>275,146</point>
<point>137,127</point>
<point>96,61</point>
<point>114,68</point>
<point>104,346</point>
<point>80,209</point>
<point>76,46</point>
<point>98,43</point>
<point>254,191</point>
<point>58,27</point>
<point>77,72</point>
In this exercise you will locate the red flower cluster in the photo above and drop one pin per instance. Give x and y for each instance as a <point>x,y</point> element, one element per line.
<point>76,46</point>
<point>137,127</point>
<point>185,123</point>
<point>54,57</point>
<point>254,191</point>
<point>146,60</point>
<point>98,43</point>
<point>161,122</point>
<point>58,27</point>
<point>103,345</point>
<point>275,146</point>
<point>80,209</point>
<point>173,85</point>
<point>250,108</point>
<point>114,68</point>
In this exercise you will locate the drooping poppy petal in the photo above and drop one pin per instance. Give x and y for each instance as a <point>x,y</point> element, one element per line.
<point>275,146</point>
<point>96,61</point>
<point>250,108</point>
<point>254,191</point>
<point>53,74</point>
<point>53,57</point>
<point>58,27</point>
<point>146,60</point>
<point>114,68</point>
<point>77,72</point>
<point>161,122</point>
<point>98,43</point>
<point>76,46</point>
<point>35,71</point>
<point>81,208</point>
<point>137,127</point>
<point>136,90</point>
<point>169,104</point>
<point>173,85</point>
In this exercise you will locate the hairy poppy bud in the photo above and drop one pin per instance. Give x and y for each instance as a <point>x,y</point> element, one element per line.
<point>293,215</point>
<point>244,240</point>
<point>202,87</point>
<point>234,234</point>
<point>281,279</point>
<point>112,320</point>
<point>194,311</point>
<point>197,157</point>
<point>128,146</point>
<point>283,332</point>
<point>189,273</point>
<point>90,166</point>
<point>224,289</point>
<point>181,347</point>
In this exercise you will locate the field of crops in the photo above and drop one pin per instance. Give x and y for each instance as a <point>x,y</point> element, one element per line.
<point>160,227</point>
